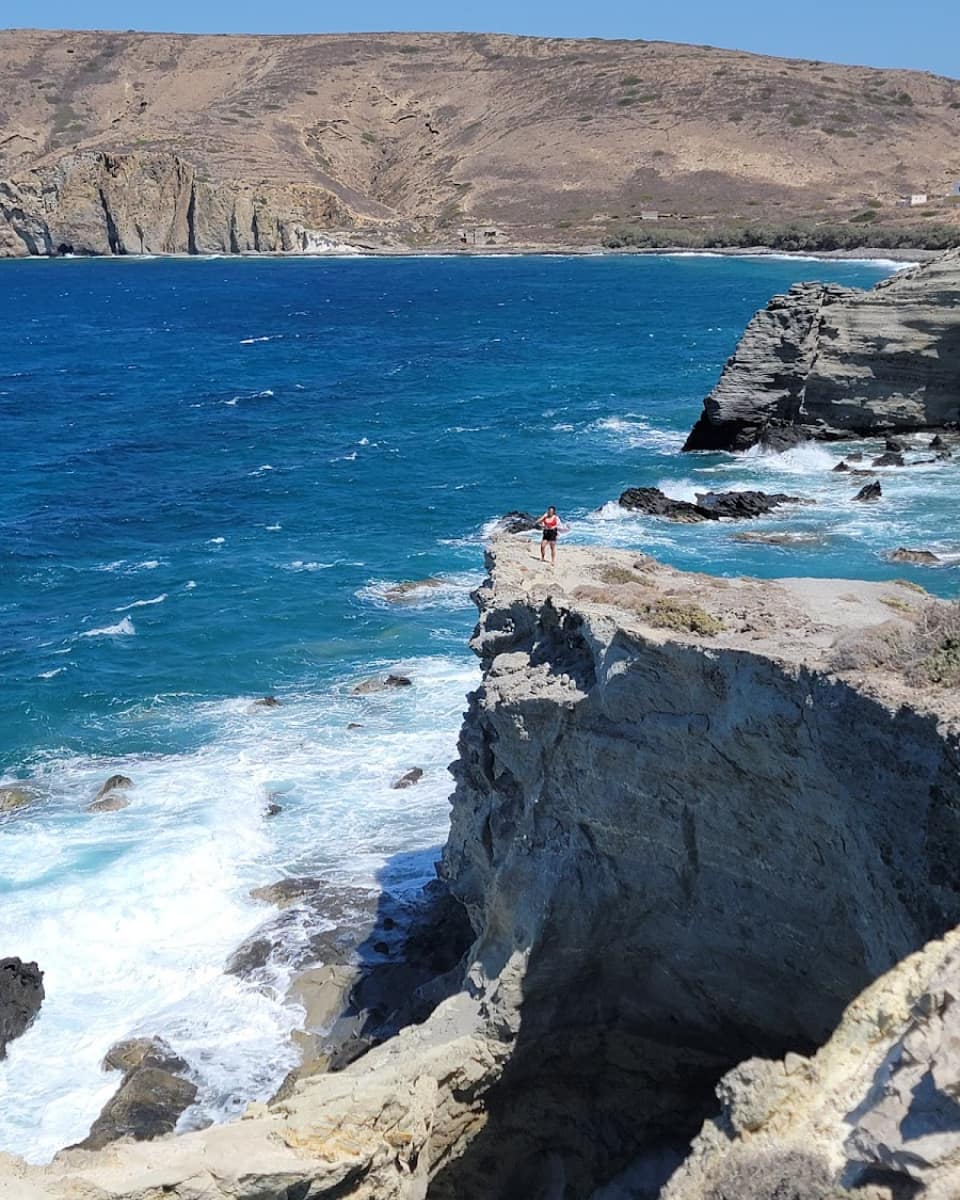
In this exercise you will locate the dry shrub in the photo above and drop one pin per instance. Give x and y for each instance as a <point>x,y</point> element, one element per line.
<point>612,573</point>
<point>663,612</point>
<point>775,1175</point>
<point>927,654</point>
<point>908,583</point>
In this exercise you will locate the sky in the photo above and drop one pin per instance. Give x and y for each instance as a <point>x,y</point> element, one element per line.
<point>922,34</point>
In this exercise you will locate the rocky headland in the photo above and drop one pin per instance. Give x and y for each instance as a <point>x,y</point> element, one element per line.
<point>694,820</point>
<point>828,362</point>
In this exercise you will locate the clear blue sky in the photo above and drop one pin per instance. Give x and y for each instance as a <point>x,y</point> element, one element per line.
<point>924,34</point>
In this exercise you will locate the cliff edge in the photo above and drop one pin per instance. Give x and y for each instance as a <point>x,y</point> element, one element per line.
<point>829,362</point>
<point>685,839</point>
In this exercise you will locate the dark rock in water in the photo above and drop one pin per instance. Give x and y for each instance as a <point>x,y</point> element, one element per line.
<point>943,456</point>
<point>147,1105</point>
<point>267,702</point>
<point>890,459</point>
<point>841,466</point>
<point>21,994</point>
<point>654,503</point>
<point>778,539</point>
<point>273,809</point>
<point>114,783</point>
<point>937,442</point>
<point>744,505</point>
<point>409,778</point>
<point>855,456</point>
<point>516,522</point>
<point>893,446</point>
<point>367,686</point>
<point>923,557</point>
<point>710,506</point>
<point>131,1053</point>
<point>870,491</point>
<point>354,725</point>
<point>779,438</point>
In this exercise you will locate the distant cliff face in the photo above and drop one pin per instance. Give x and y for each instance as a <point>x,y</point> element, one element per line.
<point>683,842</point>
<point>827,362</point>
<point>95,203</point>
<point>419,135</point>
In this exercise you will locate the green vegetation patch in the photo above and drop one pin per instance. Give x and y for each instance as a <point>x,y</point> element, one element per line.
<point>666,613</point>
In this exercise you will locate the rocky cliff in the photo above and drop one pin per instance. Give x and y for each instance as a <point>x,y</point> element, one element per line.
<point>684,841</point>
<point>96,203</point>
<point>419,136</point>
<point>831,362</point>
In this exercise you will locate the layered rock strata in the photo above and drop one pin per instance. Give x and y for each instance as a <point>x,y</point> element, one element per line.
<point>829,362</point>
<point>684,841</point>
<point>90,202</point>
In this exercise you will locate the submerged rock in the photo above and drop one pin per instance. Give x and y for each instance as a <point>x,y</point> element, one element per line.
<point>21,995</point>
<point>401,592</point>
<point>114,783</point>
<point>923,557</point>
<point>111,803</point>
<point>409,778</point>
<point>127,1055</point>
<point>381,684</point>
<point>870,491</point>
<point>14,798</point>
<point>778,539</point>
<point>266,702</point>
<point>888,460</point>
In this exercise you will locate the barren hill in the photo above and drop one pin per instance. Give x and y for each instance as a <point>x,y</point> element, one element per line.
<point>410,137</point>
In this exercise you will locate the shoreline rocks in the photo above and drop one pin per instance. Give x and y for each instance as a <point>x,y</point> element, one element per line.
<point>21,995</point>
<point>824,362</point>
<point>709,506</point>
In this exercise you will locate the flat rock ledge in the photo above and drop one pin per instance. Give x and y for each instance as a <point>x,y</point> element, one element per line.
<point>686,841</point>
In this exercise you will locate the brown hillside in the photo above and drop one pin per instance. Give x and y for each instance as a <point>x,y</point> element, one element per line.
<point>550,138</point>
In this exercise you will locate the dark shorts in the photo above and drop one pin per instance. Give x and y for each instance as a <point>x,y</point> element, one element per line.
<point>549,535</point>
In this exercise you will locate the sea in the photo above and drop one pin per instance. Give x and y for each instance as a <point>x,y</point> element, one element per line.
<point>214,472</point>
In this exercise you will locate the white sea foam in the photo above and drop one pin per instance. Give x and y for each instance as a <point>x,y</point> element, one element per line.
<point>190,584</point>
<point>441,591</point>
<point>122,628</point>
<point>272,528</point>
<point>216,541</point>
<point>51,674</point>
<point>149,564</point>
<point>299,564</point>
<point>132,914</point>
<point>141,603</point>
<point>269,338</point>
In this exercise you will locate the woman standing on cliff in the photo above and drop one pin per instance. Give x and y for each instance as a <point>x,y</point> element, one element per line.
<point>550,524</point>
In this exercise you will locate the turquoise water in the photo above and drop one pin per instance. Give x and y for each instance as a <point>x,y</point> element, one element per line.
<point>214,471</point>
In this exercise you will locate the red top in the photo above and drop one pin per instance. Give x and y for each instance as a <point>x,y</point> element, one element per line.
<point>551,522</point>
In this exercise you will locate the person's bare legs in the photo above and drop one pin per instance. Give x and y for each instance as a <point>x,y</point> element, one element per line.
<point>553,554</point>
<point>543,549</point>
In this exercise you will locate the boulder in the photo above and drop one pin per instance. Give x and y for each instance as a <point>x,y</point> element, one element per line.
<point>890,459</point>
<point>267,702</point>
<point>131,1053</point>
<point>778,539</point>
<point>111,803</point>
<point>288,891</point>
<point>892,446</point>
<point>381,684</point>
<point>13,798</point>
<point>21,994</point>
<point>273,809</point>
<point>147,1105</point>
<point>841,466</point>
<point>654,503</point>
<point>923,557</point>
<point>354,725</point>
<point>937,442</point>
<point>114,784</point>
<point>409,778</point>
<point>855,456</point>
<point>516,521</point>
<point>870,491</point>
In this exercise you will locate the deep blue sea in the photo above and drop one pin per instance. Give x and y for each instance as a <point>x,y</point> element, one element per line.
<point>213,471</point>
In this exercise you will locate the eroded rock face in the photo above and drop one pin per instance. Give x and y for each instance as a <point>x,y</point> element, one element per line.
<point>710,506</point>
<point>680,851</point>
<point>831,362</point>
<point>21,994</point>
<point>89,202</point>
